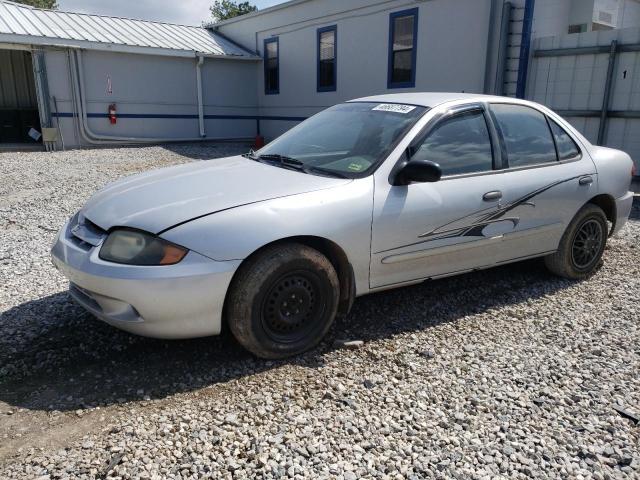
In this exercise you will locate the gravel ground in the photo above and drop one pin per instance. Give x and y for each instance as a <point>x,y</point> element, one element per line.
<point>507,373</point>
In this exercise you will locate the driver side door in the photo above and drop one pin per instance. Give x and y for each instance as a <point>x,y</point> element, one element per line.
<point>425,230</point>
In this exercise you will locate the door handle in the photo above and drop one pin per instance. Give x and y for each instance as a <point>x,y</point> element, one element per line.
<point>586,180</point>
<point>492,196</point>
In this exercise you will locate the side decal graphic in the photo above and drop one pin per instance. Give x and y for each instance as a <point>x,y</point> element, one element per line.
<point>474,224</point>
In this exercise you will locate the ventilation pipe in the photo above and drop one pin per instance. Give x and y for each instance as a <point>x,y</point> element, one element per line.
<point>200,100</point>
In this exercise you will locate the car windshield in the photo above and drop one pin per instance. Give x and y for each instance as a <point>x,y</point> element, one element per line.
<point>347,140</point>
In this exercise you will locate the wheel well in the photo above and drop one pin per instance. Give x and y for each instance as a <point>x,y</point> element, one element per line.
<point>608,206</point>
<point>336,256</point>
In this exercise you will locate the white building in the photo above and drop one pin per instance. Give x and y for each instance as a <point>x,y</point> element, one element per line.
<point>264,72</point>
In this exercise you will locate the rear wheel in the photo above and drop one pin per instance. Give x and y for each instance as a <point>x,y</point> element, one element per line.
<point>283,301</point>
<point>582,244</point>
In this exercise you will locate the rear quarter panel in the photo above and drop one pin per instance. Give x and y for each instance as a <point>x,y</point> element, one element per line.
<point>614,170</point>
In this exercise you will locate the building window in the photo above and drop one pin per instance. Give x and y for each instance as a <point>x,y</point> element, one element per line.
<point>578,28</point>
<point>403,36</point>
<point>327,58</point>
<point>271,66</point>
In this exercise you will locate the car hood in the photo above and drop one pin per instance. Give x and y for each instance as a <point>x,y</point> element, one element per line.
<point>158,200</point>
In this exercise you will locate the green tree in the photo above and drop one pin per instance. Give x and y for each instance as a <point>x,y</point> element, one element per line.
<point>50,4</point>
<point>224,9</point>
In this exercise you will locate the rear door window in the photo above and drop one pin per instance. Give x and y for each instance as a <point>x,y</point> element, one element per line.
<point>460,144</point>
<point>526,134</point>
<point>567,148</point>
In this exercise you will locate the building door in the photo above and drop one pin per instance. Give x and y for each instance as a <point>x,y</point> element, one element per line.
<point>18,101</point>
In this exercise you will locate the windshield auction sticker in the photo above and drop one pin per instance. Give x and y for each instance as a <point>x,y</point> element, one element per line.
<point>393,107</point>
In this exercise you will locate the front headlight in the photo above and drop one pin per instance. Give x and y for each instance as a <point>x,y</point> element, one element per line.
<point>133,247</point>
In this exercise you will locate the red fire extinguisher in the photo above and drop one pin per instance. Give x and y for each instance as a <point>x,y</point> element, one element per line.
<point>113,119</point>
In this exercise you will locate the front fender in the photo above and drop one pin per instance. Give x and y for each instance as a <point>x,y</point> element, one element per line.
<point>341,214</point>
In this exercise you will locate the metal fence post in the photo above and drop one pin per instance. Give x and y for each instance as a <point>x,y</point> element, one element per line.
<point>606,101</point>
<point>525,46</point>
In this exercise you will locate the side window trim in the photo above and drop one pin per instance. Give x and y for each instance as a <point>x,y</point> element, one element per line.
<point>334,86</point>
<point>553,137</point>
<point>414,52</point>
<point>267,90</point>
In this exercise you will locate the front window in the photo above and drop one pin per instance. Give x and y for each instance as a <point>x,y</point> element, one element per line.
<point>460,144</point>
<point>347,140</point>
<point>403,32</point>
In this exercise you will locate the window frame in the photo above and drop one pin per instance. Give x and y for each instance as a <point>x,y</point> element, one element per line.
<point>265,59</point>
<point>320,31</point>
<point>435,122</point>
<point>548,119</point>
<point>414,52</point>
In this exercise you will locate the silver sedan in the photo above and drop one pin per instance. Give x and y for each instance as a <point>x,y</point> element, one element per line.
<point>368,195</point>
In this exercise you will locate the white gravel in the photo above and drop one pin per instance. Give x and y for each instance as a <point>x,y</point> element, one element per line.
<point>508,373</point>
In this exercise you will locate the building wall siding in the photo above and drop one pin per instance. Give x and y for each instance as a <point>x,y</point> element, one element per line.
<point>146,86</point>
<point>446,61</point>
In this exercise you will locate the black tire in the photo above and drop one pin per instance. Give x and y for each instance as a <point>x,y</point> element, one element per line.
<point>283,301</point>
<point>582,244</point>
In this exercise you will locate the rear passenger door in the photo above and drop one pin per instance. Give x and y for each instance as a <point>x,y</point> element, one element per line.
<point>547,178</point>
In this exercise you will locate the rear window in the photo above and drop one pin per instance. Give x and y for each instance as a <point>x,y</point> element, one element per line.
<point>526,135</point>
<point>567,148</point>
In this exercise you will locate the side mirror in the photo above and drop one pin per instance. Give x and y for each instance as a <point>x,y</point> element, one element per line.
<point>420,171</point>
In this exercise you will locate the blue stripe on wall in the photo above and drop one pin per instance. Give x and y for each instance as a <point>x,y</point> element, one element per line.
<point>195,117</point>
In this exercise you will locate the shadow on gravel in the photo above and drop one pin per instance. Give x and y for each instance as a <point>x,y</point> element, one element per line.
<point>208,150</point>
<point>73,360</point>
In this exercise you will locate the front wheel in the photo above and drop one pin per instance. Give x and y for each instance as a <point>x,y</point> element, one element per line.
<point>582,244</point>
<point>283,301</point>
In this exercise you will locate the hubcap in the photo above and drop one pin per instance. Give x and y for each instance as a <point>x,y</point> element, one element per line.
<point>292,307</point>
<point>587,244</point>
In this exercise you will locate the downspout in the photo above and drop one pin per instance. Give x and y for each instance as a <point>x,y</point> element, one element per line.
<point>503,48</point>
<point>525,48</point>
<point>200,101</point>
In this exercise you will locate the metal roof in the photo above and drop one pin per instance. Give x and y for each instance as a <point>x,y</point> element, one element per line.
<point>28,25</point>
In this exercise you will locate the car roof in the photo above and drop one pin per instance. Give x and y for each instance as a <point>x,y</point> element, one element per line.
<point>432,99</point>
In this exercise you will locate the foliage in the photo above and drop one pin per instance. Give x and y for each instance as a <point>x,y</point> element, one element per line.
<point>50,4</point>
<point>224,9</point>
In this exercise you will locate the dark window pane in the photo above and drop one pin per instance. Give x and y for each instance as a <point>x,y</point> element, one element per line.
<point>526,135</point>
<point>567,148</point>
<point>271,72</point>
<point>403,33</point>
<point>327,64</point>
<point>459,145</point>
<point>402,58</point>
<point>327,73</point>
<point>402,66</point>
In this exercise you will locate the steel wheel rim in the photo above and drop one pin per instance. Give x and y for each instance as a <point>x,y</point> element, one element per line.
<point>587,243</point>
<point>293,307</point>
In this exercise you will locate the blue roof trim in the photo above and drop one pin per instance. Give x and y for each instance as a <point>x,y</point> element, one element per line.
<point>332,88</point>
<point>411,83</point>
